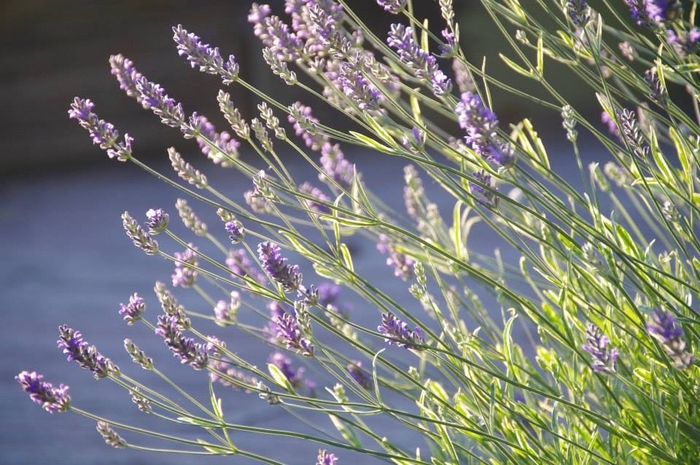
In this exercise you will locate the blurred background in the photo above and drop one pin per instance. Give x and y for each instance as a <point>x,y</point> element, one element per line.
<point>65,257</point>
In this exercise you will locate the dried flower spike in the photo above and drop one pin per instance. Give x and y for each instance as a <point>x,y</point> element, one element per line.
<point>110,436</point>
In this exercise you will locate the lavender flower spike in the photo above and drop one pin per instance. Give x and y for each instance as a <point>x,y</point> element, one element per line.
<point>481,124</point>
<point>204,56</point>
<point>157,221</point>
<point>133,311</point>
<point>50,398</point>
<point>578,11</point>
<point>663,327</point>
<point>604,358</point>
<point>235,230</point>
<point>136,233</point>
<point>102,133</point>
<point>87,356</point>
<point>397,333</point>
<point>289,332</point>
<point>123,69</point>
<point>186,349</point>
<point>392,6</point>
<point>360,375</point>
<point>421,62</point>
<point>326,458</point>
<point>276,266</point>
<point>185,274</point>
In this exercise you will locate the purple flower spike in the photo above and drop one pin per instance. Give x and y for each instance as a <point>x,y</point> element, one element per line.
<point>357,88</point>
<point>392,6</point>
<point>318,194</point>
<point>360,375</point>
<point>289,332</point>
<point>184,348</point>
<point>335,166</point>
<point>402,263</point>
<point>326,458</point>
<point>185,273</point>
<point>102,133</point>
<point>87,356</point>
<point>663,327</point>
<point>153,97</point>
<point>241,266</point>
<point>610,124</point>
<point>276,266</point>
<point>43,393</point>
<point>235,230</point>
<point>653,12</point>
<point>203,56</point>
<point>420,62</point>
<point>123,69</point>
<point>684,42</point>
<point>134,310</point>
<point>157,221</point>
<point>604,358</point>
<point>578,12</point>
<point>306,126</point>
<point>398,334</point>
<point>481,124</point>
<point>483,195</point>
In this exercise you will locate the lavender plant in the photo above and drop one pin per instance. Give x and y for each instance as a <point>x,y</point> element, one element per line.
<point>606,284</point>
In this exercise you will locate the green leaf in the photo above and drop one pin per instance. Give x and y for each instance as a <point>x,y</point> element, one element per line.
<point>515,67</point>
<point>540,56</point>
<point>683,155</point>
<point>457,229</point>
<point>215,403</point>
<point>346,431</point>
<point>660,160</point>
<point>349,222</point>
<point>280,378</point>
<point>369,142</point>
<point>217,450</point>
<point>347,258</point>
